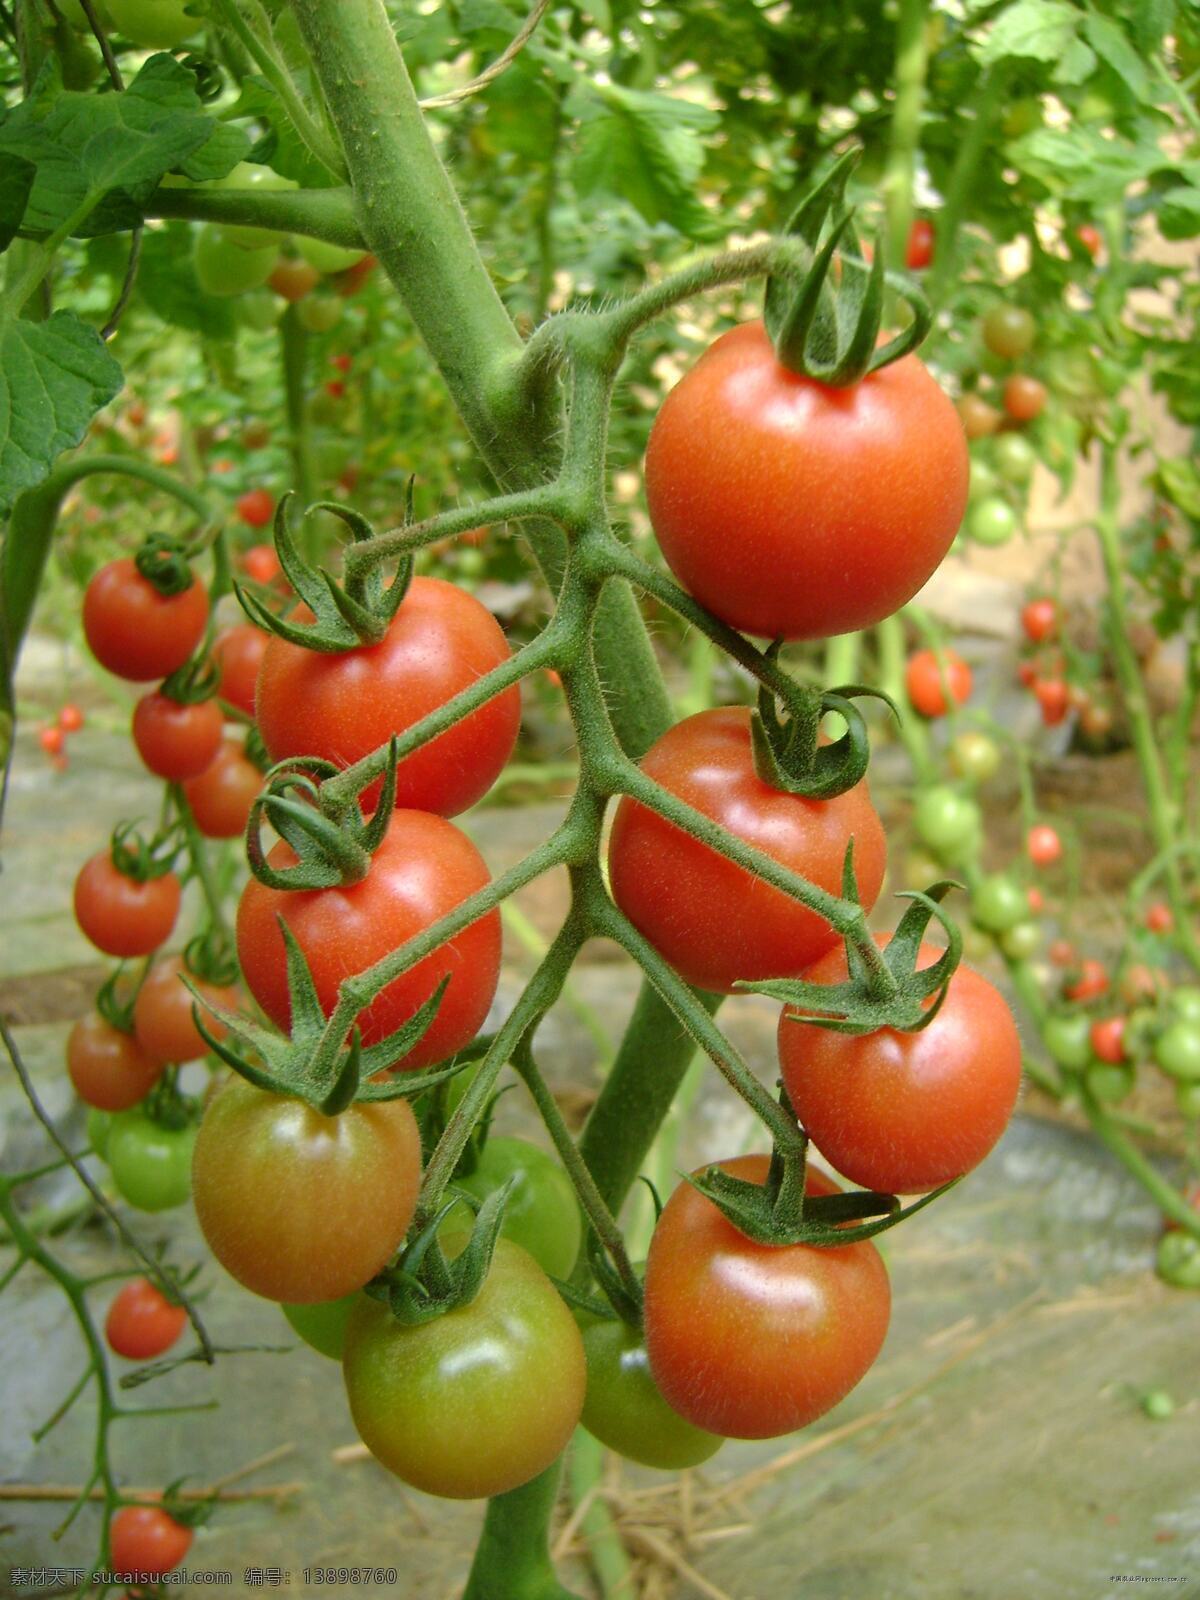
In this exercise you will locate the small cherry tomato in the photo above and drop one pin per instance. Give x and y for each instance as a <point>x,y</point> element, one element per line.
<point>108,1068</point>
<point>292,280</point>
<point>1022,942</point>
<point>1107,1038</point>
<point>136,632</point>
<point>70,718</point>
<point>1109,1082</point>
<point>238,653</point>
<point>1043,845</point>
<point>1178,1260</point>
<point>1062,953</point>
<point>542,1214</point>
<point>162,1013</point>
<point>979,419</point>
<point>52,740</point>
<point>975,756</point>
<point>144,1541</point>
<point>1142,985</point>
<point>923,679</point>
<point>1158,918</point>
<point>1036,899</point>
<point>150,1163</point>
<point>1088,983</point>
<point>1024,397</point>
<point>1185,1002</point>
<point>221,797</point>
<point>1067,1038</point>
<point>1015,458</point>
<point>1177,1050</point>
<point>1040,620</point>
<point>256,507</point>
<point>1053,697</point>
<point>176,741</point>
<point>261,564</point>
<point>625,1410</point>
<point>1090,238</point>
<point>998,903</point>
<point>1009,331</point>
<point>918,253</point>
<point>142,1323</point>
<point>946,821</point>
<point>991,522</point>
<point>118,914</point>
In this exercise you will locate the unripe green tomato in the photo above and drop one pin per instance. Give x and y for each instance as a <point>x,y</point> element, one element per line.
<point>1067,1040</point>
<point>1008,331</point>
<point>1187,1100</point>
<point>99,1126</point>
<point>151,1165</point>
<point>945,820</point>
<point>1022,116</point>
<point>999,903</point>
<point>1158,1405</point>
<point>253,175</point>
<point>1178,1260</point>
<point>991,522</point>
<point>984,479</point>
<point>542,1214</point>
<point>624,1407</point>
<point>1185,1002</point>
<point>226,269</point>
<point>1110,1082</point>
<point>1015,458</point>
<point>470,563</point>
<point>319,312</point>
<point>325,257</point>
<point>1023,942</point>
<point>74,13</point>
<point>260,310</point>
<point>975,756</point>
<point>322,1325</point>
<point>154,24</point>
<point>1177,1050</point>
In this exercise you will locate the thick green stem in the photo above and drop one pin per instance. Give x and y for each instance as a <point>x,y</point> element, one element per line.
<point>512,1559</point>
<point>318,213</point>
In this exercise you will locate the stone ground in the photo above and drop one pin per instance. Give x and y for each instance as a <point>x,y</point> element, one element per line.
<point>997,1448</point>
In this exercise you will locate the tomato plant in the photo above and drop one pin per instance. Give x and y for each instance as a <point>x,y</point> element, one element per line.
<point>141,1322</point>
<point>153,24</point>
<point>136,631</point>
<point>845,500</point>
<point>542,1214</point>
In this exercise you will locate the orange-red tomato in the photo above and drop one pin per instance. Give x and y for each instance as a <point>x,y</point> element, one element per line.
<point>144,1541</point>
<point>136,632</point>
<point>118,914</point>
<point>1043,845</point>
<point>256,507</point>
<point>162,1013</point>
<point>919,252</point>
<point>142,1323</point>
<point>1108,1040</point>
<point>1054,698</point>
<point>238,653</point>
<point>292,280</point>
<point>221,797</point>
<point>176,741</point>
<point>979,419</point>
<point>1040,620</point>
<point>108,1068</point>
<point>1024,397</point>
<point>923,681</point>
<point>1089,982</point>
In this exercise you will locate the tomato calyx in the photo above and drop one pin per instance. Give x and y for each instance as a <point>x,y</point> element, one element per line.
<point>423,1284</point>
<point>346,615</point>
<point>787,753</point>
<point>195,681</point>
<point>163,562</point>
<point>328,851</point>
<point>114,1002</point>
<point>211,957</point>
<point>140,859</point>
<point>828,330</point>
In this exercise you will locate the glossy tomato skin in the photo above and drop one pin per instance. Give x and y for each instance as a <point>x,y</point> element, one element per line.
<point>109,1069</point>
<point>136,632</point>
<point>256,507</point>
<point>905,1112</point>
<point>478,1401</point>
<point>162,1014</point>
<point>144,1541</point>
<point>1024,397</point>
<point>1043,845</point>
<point>710,919</point>
<point>918,253</point>
<point>176,741</point>
<point>625,1410</point>
<point>750,1340</point>
<point>542,1213</point>
<point>343,706</point>
<point>298,1206</point>
<point>923,681</point>
<point>121,916</point>
<point>238,653</point>
<point>789,508</point>
<point>150,1164</point>
<point>424,868</point>
<point>221,797</point>
<point>1040,620</point>
<point>142,1323</point>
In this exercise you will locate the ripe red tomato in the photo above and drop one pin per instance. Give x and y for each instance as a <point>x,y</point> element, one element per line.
<point>1090,238</point>
<point>905,1112</point>
<point>1054,698</point>
<point>142,1323</point>
<point>176,741</point>
<point>422,870</point>
<point>136,632</point>
<point>1159,918</point>
<point>162,1014</point>
<point>1035,900</point>
<point>979,419</point>
<point>751,1340</point>
<point>1108,1040</point>
<point>52,740</point>
<point>118,914</point>
<point>238,653</point>
<point>70,718</point>
<point>109,1068</point>
<point>919,252</point>
<point>298,1206</point>
<point>1043,845</point>
<point>292,280</point>
<point>923,681</point>
<point>1024,397</point>
<point>1089,982</point>
<point>844,500</point>
<point>1040,620</point>
<point>710,919</point>
<point>261,563</point>
<point>256,507</point>
<point>221,797</point>
<point>144,1541</point>
<point>475,1402</point>
<point>343,705</point>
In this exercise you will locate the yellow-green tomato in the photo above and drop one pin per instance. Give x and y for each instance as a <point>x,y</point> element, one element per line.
<point>319,312</point>
<point>225,269</point>
<point>154,24</point>
<point>325,257</point>
<point>477,1401</point>
<point>1177,1050</point>
<point>323,1324</point>
<point>625,1409</point>
<point>542,1213</point>
<point>253,175</point>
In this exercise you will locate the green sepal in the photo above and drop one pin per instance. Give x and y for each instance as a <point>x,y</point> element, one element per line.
<point>753,1210</point>
<point>211,956</point>
<point>139,859</point>
<point>163,562</point>
<point>787,754</point>
<point>117,1012</point>
<point>626,1306</point>
<point>423,1285</point>
<point>195,681</point>
<point>329,851</point>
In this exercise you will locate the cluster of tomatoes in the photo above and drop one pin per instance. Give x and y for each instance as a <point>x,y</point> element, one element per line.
<point>53,736</point>
<point>1002,468</point>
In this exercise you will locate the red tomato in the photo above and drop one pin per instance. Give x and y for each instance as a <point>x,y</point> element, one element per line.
<point>979,419</point>
<point>710,919</point>
<point>70,718</point>
<point>343,705</point>
<point>352,280</point>
<point>292,280</point>
<point>751,1340</point>
<point>1024,397</point>
<point>1040,620</point>
<point>843,500</point>
<point>919,252</point>
<point>135,631</point>
<point>52,740</point>
<point>923,681</point>
<point>109,1068</point>
<point>256,508</point>
<point>145,1542</point>
<point>342,362</point>
<point>1027,673</point>
<point>176,741</point>
<point>1108,1040</point>
<point>1089,982</point>
<point>422,870</point>
<point>1035,899</point>
<point>1062,953</point>
<point>142,1323</point>
<point>1089,237</point>
<point>221,797</point>
<point>118,914</point>
<point>905,1112</point>
<point>238,653</point>
<point>1159,918</point>
<point>162,1014</point>
<point>335,388</point>
<point>1054,698</point>
<point>1043,845</point>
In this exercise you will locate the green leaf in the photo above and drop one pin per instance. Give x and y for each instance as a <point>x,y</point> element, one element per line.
<point>1080,164</point>
<point>1039,30</point>
<point>646,148</point>
<point>281,148</point>
<point>1179,214</point>
<point>16,180</point>
<point>1076,64</point>
<point>218,155</point>
<point>1181,484</point>
<point>1111,45</point>
<point>54,377</point>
